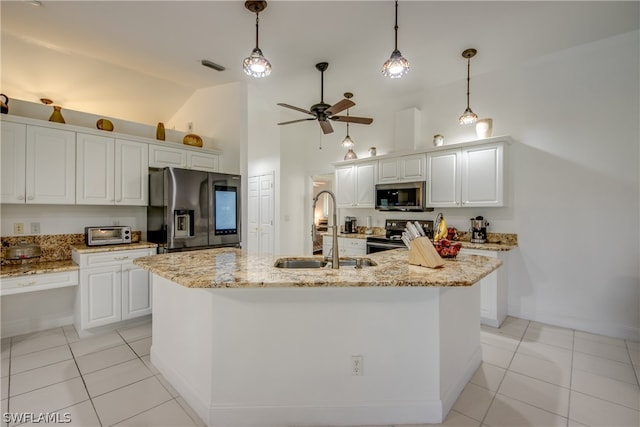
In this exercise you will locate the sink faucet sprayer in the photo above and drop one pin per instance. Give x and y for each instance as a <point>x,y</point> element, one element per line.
<point>335,259</point>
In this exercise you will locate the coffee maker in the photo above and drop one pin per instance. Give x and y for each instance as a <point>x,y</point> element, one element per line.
<point>350,224</point>
<point>479,230</point>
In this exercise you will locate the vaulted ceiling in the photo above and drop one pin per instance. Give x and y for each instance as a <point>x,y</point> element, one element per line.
<point>140,60</point>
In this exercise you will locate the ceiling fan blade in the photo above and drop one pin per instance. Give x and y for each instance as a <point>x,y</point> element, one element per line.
<point>353,119</point>
<point>295,121</point>
<point>302,110</point>
<point>326,126</point>
<point>340,106</point>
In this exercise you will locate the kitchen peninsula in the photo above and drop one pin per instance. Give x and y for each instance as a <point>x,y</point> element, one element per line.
<point>247,343</point>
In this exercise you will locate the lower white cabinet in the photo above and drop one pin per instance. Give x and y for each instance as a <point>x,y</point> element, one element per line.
<point>493,289</point>
<point>38,282</point>
<point>346,246</point>
<point>111,287</point>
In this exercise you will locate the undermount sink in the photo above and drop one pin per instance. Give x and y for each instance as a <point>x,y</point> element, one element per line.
<point>321,263</point>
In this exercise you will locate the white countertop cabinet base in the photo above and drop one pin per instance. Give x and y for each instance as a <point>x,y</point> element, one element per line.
<point>493,289</point>
<point>112,288</point>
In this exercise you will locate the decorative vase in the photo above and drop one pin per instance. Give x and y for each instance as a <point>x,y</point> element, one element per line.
<point>104,124</point>
<point>192,139</point>
<point>160,131</point>
<point>56,116</point>
<point>484,127</point>
<point>438,140</point>
<point>372,151</point>
<point>4,103</point>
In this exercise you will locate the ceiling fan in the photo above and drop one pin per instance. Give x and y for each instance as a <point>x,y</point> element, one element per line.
<point>323,112</point>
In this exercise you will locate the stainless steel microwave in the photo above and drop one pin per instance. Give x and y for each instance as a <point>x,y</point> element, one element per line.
<point>402,196</point>
<point>110,235</point>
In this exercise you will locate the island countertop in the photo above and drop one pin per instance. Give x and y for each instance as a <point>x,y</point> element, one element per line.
<point>235,268</point>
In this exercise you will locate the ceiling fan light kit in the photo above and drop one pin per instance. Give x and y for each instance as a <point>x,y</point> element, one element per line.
<point>256,65</point>
<point>468,116</point>
<point>397,65</point>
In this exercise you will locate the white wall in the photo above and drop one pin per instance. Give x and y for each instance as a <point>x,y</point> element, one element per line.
<point>573,182</point>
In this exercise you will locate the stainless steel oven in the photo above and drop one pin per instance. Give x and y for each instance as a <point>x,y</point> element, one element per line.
<point>393,232</point>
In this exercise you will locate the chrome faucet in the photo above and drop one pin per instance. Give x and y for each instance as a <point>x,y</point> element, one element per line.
<point>335,258</point>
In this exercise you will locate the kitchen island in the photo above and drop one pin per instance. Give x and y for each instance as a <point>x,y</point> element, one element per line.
<point>246,343</point>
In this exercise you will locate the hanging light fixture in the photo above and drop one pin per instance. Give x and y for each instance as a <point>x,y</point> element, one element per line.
<point>396,66</point>
<point>256,65</point>
<point>347,142</point>
<point>468,116</point>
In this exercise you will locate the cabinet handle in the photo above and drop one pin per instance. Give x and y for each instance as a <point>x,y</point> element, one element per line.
<point>119,200</point>
<point>120,257</point>
<point>30,197</point>
<point>27,284</point>
<point>20,197</point>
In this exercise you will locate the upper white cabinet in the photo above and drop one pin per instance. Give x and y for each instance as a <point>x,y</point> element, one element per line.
<point>355,185</point>
<point>161,157</point>
<point>471,176</point>
<point>38,164</point>
<point>111,171</point>
<point>402,169</point>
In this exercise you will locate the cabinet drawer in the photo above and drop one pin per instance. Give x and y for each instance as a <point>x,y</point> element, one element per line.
<point>110,258</point>
<point>38,282</point>
<point>203,162</point>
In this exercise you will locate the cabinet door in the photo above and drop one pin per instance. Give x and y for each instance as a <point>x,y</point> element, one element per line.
<point>160,157</point>
<point>95,170</point>
<point>388,171</point>
<point>50,166</point>
<point>345,186</point>
<point>482,176</point>
<point>352,247</point>
<point>413,168</point>
<point>203,161</point>
<point>365,185</point>
<point>131,173</point>
<point>136,292</point>
<point>443,181</point>
<point>13,152</point>
<point>102,292</point>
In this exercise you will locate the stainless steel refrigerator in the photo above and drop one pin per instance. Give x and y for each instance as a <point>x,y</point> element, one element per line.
<point>191,210</point>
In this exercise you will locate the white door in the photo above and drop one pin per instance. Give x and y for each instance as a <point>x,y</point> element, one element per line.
<point>95,170</point>
<point>261,211</point>
<point>51,166</point>
<point>443,181</point>
<point>131,173</point>
<point>13,152</point>
<point>103,297</point>
<point>136,292</point>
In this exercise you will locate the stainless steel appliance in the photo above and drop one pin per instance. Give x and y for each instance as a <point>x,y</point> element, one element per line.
<point>108,235</point>
<point>479,230</point>
<point>193,209</point>
<point>393,233</point>
<point>350,224</point>
<point>402,196</point>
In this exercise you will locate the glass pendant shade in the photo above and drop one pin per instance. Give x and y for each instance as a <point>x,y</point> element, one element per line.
<point>468,117</point>
<point>396,66</point>
<point>351,155</point>
<point>256,65</point>
<point>347,142</point>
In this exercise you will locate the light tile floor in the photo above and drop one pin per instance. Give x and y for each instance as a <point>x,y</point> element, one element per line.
<point>532,375</point>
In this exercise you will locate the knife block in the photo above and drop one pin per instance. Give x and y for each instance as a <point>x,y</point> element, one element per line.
<point>422,252</point>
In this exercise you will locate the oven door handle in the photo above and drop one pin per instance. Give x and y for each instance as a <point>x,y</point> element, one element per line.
<point>384,245</point>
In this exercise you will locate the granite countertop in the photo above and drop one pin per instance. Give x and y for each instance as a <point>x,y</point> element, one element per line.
<point>84,249</point>
<point>234,268</point>
<point>37,268</point>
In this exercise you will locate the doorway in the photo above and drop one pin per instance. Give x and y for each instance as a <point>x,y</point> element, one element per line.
<point>323,208</point>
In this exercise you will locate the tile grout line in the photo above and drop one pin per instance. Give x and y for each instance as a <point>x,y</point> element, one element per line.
<point>84,383</point>
<point>9,380</point>
<point>633,367</point>
<point>573,347</point>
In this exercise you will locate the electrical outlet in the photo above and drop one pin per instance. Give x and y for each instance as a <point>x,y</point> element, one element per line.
<point>190,126</point>
<point>356,366</point>
<point>18,228</point>
<point>35,228</point>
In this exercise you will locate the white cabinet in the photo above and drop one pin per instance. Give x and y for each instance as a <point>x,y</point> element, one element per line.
<point>161,156</point>
<point>38,165</point>
<point>402,169</point>
<point>493,289</point>
<point>38,282</point>
<point>111,171</point>
<point>355,185</point>
<point>472,176</point>
<point>347,246</point>
<point>111,287</point>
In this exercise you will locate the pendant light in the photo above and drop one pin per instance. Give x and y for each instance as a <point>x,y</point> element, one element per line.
<point>347,142</point>
<point>256,65</point>
<point>468,116</point>
<point>396,66</point>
